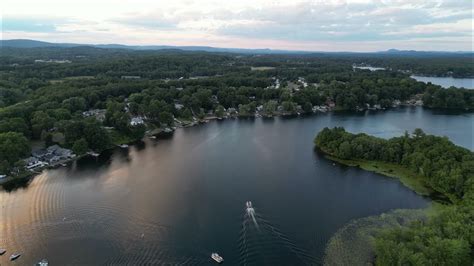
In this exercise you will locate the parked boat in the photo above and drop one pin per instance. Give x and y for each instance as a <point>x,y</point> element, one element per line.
<point>2,251</point>
<point>123,146</point>
<point>15,256</point>
<point>94,154</point>
<point>217,258</point>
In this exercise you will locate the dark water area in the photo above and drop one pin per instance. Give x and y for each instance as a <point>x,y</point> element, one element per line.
<point>176,200</point>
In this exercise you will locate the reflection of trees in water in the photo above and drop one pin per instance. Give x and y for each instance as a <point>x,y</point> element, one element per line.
<point>353,243</point>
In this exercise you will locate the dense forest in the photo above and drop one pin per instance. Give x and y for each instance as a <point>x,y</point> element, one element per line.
<point>86,98</point>
<point>447,238</point>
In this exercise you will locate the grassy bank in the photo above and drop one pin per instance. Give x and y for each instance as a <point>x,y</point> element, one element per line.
<point>408,178</point>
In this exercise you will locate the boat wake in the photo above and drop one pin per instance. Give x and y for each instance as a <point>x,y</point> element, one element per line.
<point>262,243</point>
<point>251,213</point>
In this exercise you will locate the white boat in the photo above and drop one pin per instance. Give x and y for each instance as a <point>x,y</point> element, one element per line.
<point>15,256</point>
<point>123,146</point>
<point>152,137</point>
<point>94,154</point>
<point>43,262</point>
<point>217,258</point>
<point>248,204</point>
<point>2,251</point>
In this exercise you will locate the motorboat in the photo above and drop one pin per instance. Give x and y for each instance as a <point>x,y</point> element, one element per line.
<point>217,258</point>
<point>15,256</point>
<point>123,146</point>
<point>248,204</point>
<point>2,251</point>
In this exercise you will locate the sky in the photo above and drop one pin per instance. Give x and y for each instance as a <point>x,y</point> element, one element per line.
<point>317,25</point>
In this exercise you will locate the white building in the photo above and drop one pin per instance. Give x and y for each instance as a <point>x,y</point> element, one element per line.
<point>137,120</point>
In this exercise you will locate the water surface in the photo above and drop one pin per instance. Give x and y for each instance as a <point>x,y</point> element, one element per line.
<point>177,200</point>
<point>446,82</point>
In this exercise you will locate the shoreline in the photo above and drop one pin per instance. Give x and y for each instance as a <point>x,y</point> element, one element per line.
<point>423,191</point>
<point>414,182</point>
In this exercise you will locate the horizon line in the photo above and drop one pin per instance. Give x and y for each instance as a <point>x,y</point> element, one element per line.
<point>168,46</point>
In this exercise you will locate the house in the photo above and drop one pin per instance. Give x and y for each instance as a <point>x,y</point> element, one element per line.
<point>303,82</point>
<point>137,120</point>
<point>39,153</point>
<point>178,106</point>
<point>231,110</point>
<point>51,155</point>
<point>396,103</point>
<point>277,84</point>
<point>99,114</point>
<point>2,176</point>
<point>60,152</point>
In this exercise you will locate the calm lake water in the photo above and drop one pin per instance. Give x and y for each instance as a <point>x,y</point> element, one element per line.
<point>175,201</point>
<point>447,82</point>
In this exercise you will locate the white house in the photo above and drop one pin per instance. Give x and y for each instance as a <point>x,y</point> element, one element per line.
<point>137,120</point>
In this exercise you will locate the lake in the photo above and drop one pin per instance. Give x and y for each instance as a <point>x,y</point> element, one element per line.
<point>176,200</point>
<point>371,68</point>
<point>447,82</point>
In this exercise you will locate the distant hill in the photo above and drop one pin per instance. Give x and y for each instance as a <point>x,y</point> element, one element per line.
<point>422,53</point>
<point>26,43</point>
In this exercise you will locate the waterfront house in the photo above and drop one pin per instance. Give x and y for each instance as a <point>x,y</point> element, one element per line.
<point>51,155</point>
<point>231,110</point>
<point>137,120</point>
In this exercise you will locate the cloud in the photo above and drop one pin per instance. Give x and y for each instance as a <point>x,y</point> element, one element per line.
<point>282,23</point>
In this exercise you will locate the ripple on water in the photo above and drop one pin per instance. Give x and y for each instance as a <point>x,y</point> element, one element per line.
<point>264,244</point>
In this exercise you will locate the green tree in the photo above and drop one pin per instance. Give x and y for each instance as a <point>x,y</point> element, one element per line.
<point>166,118</point>
<point>80,146</point>
<point>270,107</point>
<point>220,111</point>
<point>13,147</point>
<point>39,122</point>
